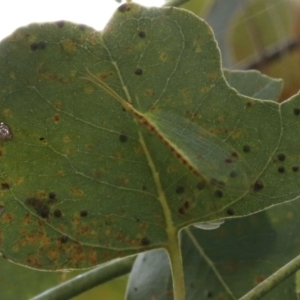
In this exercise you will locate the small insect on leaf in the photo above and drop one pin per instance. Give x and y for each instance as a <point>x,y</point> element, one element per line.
<point>5,132</point>
<point>206,153</point>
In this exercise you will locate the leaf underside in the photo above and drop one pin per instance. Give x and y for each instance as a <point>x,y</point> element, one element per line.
<point>83,181</point>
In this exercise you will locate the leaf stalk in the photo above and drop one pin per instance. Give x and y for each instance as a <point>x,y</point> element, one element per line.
<point>274,280</point>
<point>88,280</point>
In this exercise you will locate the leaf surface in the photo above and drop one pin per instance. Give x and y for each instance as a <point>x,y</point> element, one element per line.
<point>89,172</point>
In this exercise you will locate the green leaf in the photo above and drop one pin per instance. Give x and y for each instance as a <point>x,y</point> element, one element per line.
<point>227,247</point>
<point>88,174</point>
<point>254,84</point>
<point>226,262</point>
<point>17,282</point>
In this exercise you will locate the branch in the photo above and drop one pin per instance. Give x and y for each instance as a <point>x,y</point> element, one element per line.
<point>88,280</point>
<point>175,2</point>
<point>270,54</point>
<point>275,279</point>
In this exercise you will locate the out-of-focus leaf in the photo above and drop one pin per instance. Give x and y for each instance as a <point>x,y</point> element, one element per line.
<point>219,18</point>
<point>150,277</point>
<point>17,282</point>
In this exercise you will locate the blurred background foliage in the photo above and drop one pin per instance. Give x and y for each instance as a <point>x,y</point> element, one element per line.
<point>252,34</point>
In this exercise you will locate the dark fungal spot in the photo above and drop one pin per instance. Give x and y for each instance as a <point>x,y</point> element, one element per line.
<point>228,160</point>
<point>187,204</point>
<point>83,213</point>
<point>2,208</point>
<point>180,190</point>
<point>4,186</point>
<point>281,169</point>
<point>258,185</point>
<point>209,294</point>
<point>230,212</point>
<point>281,156</point>
<point>63,239</point>
<point>135,289</point>
<point>142,34</point>
<point>219,193</point>
<point>57,213</point>
<point>181,211</point>
<point>138,71</point>
<point>295,168</point>
<point>233,174</point>
<point>248,104</point>
<point>145,241</point>
<point>41,138</point>
<point>60,24</point>
<point>234,154</point>
<point>41,208</point>
<point>124,8</point>
<point>38,46</point>
<point>123,138</point>
<point>246,148</point>
<point>296,111</point>
<point>52,195</point>
<point>201,185</point>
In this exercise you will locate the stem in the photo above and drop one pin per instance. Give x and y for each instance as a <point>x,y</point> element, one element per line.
<point>275,279</point>
<point>88,280</point>
<point>176,267</point>
<point>175,2</point>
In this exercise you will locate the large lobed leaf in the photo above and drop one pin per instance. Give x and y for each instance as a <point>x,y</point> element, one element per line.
<point>96,171</point>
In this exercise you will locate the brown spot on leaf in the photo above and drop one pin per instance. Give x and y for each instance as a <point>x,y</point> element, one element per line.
<point>83,213</point>
<point>76,192</point>
<point>123,138</point>
<point>58,105</point>
<point>163,57</point>
<point>32,261</point>
<point>138,71</point>
<point>180,190</point>
<point>60,24</point>
<point>56,118</point>
<point>38,46</point>
<point>295,168</point>
<point>52,195</point>
<point>181,211</point>
<point>145,241</point>
<point>259,279</point>
<point>142,34</point>
<point>41,208</point>
<point>296,111</point>
<point>68,45</point>
<point>7,218</point>
<point>57,213</point>
<point>63,239</point>
<point>187,204</point>
<point>124,8</point>
<point>4,186</point>
<point>281,156</point>
<point>258,185</point>
<point>230,212</point>
<point>219,193</point>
